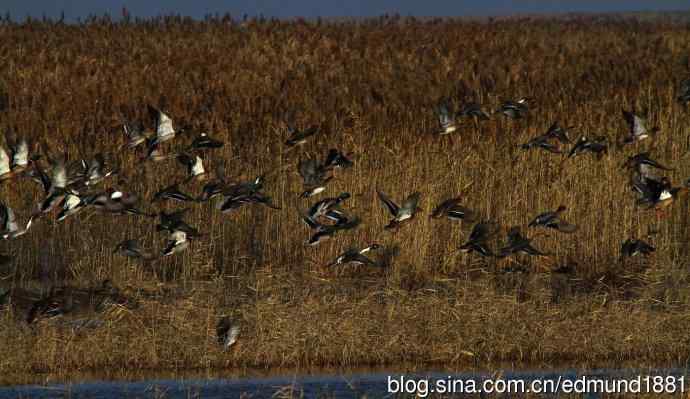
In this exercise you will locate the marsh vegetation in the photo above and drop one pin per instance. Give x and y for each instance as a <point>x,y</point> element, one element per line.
<point>372,88</point>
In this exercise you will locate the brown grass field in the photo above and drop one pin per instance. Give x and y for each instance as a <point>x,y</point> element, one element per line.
<point>371,87</point>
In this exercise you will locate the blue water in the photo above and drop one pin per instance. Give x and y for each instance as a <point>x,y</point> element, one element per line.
<point>346,385</point>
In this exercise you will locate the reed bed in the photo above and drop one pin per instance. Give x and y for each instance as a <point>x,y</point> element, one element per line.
<point>371,86</point>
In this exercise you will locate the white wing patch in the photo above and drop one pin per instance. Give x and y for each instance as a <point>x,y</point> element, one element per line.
<point>21,154</point>
<point>165,129</point>
<point>71,201</point>
<point>4,162</point>
<point>59,176</point>
<point>639,129</point>
<point>198,167</point>
<point>233,334</point>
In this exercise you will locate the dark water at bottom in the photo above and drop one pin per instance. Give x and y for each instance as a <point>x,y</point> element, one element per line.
<point>375,384</point>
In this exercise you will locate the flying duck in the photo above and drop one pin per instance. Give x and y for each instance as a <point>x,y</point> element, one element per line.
<point>227,332</point>
<point>95,170</point>
<point>215,186</point>
<point>446,119</point>
<point>5,165</point>
<point>653,193</point>
<point>230,204</point>
<point>542,142</point>
<point>164,126</point>
<point>8,223</point>
<point>20,153</point>
<point>314,176</point>
<point>473,110</point>
<point>73,203</point>
<point>52,305</point>
<point>134,134</point>
<point>154,152</point>
<point>299,137</point>
<point>203,141</point>
<point>53,185</point>
<point>177,242</point>
<point>559,133</point>
<point>194,164</point>
<point>402,213</point>
<point>323,232</point>
<point>518,243</point>
<point>236,195</point>
<point>632,247</point>
<point>17,162</point>
<point>644,166</point>
<point>597,145</point>
<point>515,109</point>
<point>356,257</point>
<point>452,209</point>
<point>172,222</point>
<point>328,208</point>
<point>118,202</point>
<point>637,129</point>
<point>132,248</point>
<point>172,192</point>
<point>336,159</point>
<point>477,241</point>
<point>553,220</point>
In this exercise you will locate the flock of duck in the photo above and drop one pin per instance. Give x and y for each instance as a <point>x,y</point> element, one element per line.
<point>71,187</point>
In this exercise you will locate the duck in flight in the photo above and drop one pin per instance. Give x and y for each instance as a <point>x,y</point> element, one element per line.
<point>132,248</point>
<point>637,128</point>
<point>314,176</point>
<point>328,208</point>
<point>596,145</point>
<point>515,109</point>
<point>550,141</point>
<point>164,130</point>
<point>8,223</point>
<point>473,110</point>
<point>134,134</point>
<point>194,164</point>
<point>644,166</point>
<point>356,256</point>
<point>237,195</point>
<point>517,243</point>
<point>17,162</point>
<point>478,239</point>
<point>452,210</point>
<point>172,192</point>
<point>336,159</point>
<point>633,247</point>
<point>401,214</point>
<point>227,332</point>
<point>204,142</point>
<point>553,220</point>
<point>177,242</point>
<point>172,222</point>
<point>299,137</point>
<point>446,119</point>
<point>323,232</point>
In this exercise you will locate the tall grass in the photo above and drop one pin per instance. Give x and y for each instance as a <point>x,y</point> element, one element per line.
<point>371,86</point>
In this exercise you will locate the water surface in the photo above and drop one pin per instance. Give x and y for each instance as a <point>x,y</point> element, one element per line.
<point>369,383</point>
